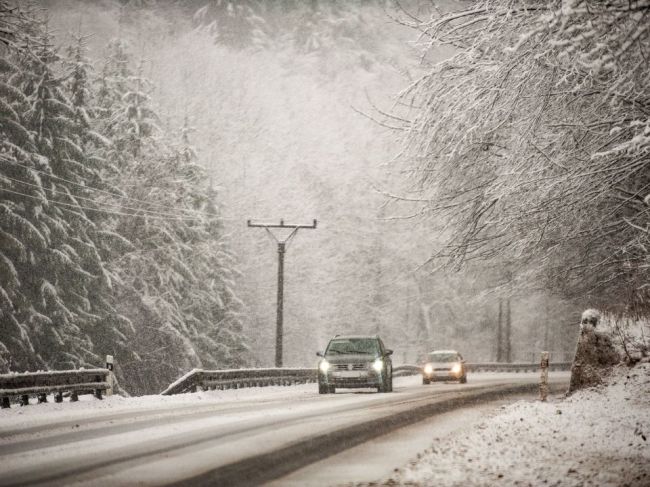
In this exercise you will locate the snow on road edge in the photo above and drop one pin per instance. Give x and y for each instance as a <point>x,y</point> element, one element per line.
<point>88,407</point>
<point>599,436</point>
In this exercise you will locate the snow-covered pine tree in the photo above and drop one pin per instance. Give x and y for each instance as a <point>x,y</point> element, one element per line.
<point>48,250</point>
<point>112,333</point>
<point>181,309</point>
<point>211,307</point>
<point>136,223</point>
<point>20,204</point>
<point>123,105</point>
<point>71,265</point>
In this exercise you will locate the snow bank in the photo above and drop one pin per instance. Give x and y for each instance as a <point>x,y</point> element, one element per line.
<point>598,436</point>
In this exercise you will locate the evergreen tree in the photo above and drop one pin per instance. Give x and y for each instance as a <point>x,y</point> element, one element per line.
<point>110,239</point>
<point>175,283</point>
<point>112,332</point>
<point>211,306</point>
<point>20,205</point>
<point>53,268</point>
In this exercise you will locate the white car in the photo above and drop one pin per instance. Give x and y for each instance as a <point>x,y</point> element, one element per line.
<point>444,365</point>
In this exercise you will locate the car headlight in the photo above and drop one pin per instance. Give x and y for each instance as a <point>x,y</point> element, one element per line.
<point>428,369</point>
<point>456,369</point>
<point>324,366</point>
<point>378,364</point>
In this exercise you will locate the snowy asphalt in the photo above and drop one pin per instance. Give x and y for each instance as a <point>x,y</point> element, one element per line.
<point>216,438</point>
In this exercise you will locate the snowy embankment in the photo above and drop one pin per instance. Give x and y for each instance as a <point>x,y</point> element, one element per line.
<point>598,436</point>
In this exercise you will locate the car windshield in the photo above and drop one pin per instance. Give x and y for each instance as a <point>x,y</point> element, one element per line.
<point>353,346</point>
<point>443,357</point>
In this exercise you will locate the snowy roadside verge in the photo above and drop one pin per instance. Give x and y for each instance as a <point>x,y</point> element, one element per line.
<point>598,436</point>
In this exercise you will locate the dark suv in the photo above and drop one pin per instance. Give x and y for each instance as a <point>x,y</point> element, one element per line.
<point>355,361</point>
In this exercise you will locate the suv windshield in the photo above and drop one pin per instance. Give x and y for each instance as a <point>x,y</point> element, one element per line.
<point>443,357</point>
<point>353,346</point>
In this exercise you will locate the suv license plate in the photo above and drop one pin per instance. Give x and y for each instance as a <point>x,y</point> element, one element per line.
<point>350,373</point>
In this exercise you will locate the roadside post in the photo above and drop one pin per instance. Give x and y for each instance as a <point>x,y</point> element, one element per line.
<point>109,377</point>
<point>543,383</point>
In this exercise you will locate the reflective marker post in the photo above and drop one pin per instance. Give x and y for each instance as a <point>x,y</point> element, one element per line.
<point>543,384</point>
<point>109,377</point>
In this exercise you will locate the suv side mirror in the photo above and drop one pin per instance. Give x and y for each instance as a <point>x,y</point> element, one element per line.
<point>388,352</point>
<point>320,354</point>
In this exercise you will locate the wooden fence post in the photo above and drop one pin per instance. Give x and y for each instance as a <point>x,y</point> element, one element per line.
<point>543,384</point>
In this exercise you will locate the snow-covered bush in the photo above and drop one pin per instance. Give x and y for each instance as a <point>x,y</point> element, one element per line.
<point>604,343</point>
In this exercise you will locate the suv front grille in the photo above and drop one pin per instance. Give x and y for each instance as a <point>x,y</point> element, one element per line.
<point>350,367</point>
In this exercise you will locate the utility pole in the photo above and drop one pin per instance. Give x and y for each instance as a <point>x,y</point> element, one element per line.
<point>500,333</point>
<point>508,330</point>
<point>282,247</point>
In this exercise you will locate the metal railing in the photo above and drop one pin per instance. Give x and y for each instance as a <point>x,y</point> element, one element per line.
<point>240,378</point>
<point>514,367</point>
<point>41,384</point>
<point>404,370</point>
<point>199,379</point>
<point>99,381</point>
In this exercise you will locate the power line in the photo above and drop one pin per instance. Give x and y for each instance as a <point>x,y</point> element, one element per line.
<point>60,203</point>
<point>92,188</point>
<point>108,204</point>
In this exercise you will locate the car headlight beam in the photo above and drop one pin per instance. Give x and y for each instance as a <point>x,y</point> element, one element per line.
<point>324,366</point>
<point>378,365</point>
<point>428,369</point>
<point>456,369</point>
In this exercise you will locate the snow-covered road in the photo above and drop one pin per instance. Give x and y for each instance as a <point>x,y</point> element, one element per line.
<point>218,437</point>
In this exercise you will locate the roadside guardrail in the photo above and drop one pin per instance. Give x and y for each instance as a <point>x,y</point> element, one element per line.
<point>514,367</point>
<point>58,383</point>
<point>101,381</point>
<point>199,379</point>
<point>240,378</point>
<point>404,370</point>
<point>488,367</point>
